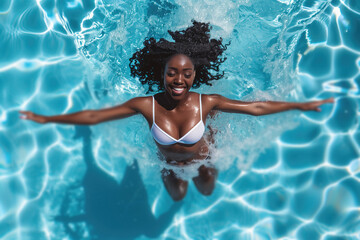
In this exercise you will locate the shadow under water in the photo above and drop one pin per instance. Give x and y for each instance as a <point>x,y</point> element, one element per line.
<point>110,210</point>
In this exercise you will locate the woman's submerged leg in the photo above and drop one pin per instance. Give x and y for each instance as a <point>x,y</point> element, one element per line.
<point>205,182</point>
<point>176,187</point>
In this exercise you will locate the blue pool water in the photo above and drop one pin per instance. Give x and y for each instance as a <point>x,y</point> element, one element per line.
<point>285,176</point>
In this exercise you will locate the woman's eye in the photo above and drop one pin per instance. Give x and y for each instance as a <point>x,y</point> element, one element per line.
<point>188,75</point>
<point>171,74</point>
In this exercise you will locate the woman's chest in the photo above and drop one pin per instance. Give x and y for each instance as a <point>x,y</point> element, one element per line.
<point>178,124</point>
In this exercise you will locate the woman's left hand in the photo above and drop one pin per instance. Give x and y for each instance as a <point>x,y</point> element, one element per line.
<point>315,105</point>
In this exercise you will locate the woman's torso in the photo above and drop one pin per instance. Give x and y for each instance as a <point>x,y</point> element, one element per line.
<point>185,121</point>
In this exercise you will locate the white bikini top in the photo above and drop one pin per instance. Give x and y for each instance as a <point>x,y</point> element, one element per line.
<point>191,137</point>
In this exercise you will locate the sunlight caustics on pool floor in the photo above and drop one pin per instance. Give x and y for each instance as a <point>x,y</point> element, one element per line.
<point>286,176</point>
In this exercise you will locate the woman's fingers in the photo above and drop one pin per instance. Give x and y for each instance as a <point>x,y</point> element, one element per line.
<point>31,116</point>
<point>317,104</point>
<point>328,100</point>
<point>24,114</point>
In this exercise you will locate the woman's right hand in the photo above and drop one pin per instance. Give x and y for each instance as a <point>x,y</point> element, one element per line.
<point>314,105</point>
<point>32,116</point>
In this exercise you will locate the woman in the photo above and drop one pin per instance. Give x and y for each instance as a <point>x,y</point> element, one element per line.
<point>177,116</point>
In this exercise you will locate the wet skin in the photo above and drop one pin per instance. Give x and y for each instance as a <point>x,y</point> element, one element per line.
<point>179,111</point>
<point>176,112</point>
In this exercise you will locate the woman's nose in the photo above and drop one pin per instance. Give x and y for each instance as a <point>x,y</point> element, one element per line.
<point>179,79</point>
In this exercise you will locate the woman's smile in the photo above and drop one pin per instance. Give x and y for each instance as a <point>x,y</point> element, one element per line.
<point>177,90</point>
<point>179,75</point>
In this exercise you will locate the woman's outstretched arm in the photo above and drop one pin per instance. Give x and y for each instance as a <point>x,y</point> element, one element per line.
<point>90,117</point>
<point>224,104</point>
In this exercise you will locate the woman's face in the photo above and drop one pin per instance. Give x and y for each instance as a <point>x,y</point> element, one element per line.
<point>179,76</point>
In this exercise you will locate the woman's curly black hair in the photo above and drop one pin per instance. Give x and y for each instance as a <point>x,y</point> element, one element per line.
<point>149,62</point>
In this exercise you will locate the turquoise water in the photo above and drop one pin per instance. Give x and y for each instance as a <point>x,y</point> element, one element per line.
<point>286,176</point>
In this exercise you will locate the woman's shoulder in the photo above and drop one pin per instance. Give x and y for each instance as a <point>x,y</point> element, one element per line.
<point>210,97</point>
<point>140,102</point>
<point>142,99</point>
<point>211,100</point>
<point>206,94</point>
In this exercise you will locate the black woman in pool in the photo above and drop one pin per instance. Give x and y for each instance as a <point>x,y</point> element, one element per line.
<point>177,116</point>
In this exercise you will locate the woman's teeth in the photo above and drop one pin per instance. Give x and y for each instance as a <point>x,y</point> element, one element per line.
<point>178,90</point>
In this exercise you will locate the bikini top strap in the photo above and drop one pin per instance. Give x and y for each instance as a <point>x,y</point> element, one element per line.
<point>200,107</point>
<point>153,109</point>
